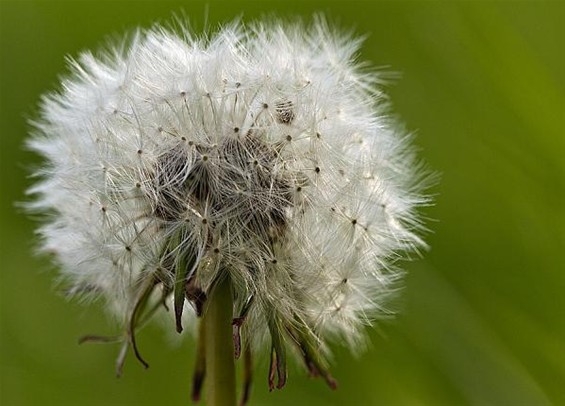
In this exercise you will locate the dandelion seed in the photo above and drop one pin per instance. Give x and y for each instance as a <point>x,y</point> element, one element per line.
<point>261,159</point>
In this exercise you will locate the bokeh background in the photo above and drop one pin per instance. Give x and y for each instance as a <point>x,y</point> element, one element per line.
<point>482,85</point>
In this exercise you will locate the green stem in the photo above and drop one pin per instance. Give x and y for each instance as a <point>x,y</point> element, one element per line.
<point>220,366</point>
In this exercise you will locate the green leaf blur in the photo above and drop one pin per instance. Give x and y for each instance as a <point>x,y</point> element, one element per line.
<point>482,321</point>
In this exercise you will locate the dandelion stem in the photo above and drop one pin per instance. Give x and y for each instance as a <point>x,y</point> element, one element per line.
<point>220,366</point>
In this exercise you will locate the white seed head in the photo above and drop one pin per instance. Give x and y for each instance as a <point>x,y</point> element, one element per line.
<point>264,153</point>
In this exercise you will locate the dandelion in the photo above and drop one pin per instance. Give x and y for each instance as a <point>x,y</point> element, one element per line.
<point>253,179</point>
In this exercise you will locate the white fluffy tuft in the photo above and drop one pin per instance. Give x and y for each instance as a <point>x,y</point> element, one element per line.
<point>265,151</point>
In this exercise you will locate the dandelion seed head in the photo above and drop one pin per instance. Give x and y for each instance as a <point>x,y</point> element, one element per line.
<point>264,152</point>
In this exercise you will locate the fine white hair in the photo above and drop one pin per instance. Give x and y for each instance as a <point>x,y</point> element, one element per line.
<point>263,152</point>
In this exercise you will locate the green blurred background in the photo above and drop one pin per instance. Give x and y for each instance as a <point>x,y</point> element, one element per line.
<point>483,319</point>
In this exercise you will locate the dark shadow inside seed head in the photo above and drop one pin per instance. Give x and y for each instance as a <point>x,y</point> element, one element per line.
<point>170,184</point>
<point>235,180</point>
<point>257,196</point>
